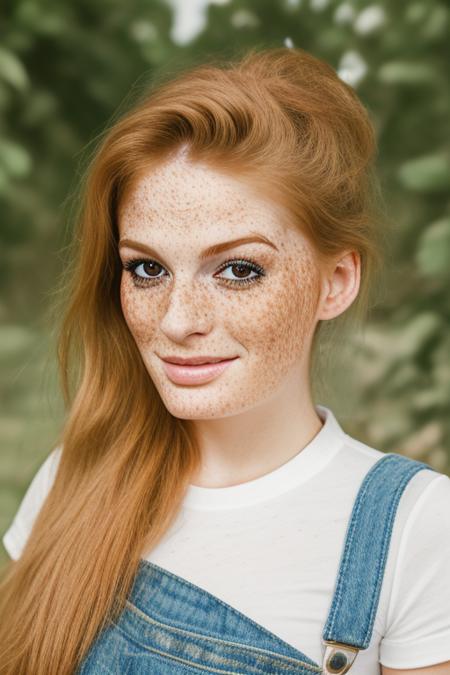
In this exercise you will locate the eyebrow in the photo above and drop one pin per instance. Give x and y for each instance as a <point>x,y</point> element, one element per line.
<point>207,252</point>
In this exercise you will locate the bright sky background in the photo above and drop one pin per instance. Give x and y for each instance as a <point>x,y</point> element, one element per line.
<point>189,18</point>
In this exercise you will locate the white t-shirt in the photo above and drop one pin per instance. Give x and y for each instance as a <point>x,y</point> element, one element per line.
<point>271,548</point>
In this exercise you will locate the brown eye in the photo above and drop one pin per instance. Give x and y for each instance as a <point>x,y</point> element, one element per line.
<point>144,272</point>
<point>240,270</point>
<point>150,266</point>
<point>150,271</point>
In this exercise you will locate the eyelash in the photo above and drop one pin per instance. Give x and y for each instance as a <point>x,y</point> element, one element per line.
<point>131,265</point>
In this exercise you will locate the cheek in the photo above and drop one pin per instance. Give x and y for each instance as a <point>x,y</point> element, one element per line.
<point>303,292</point>
<point>281,316</point>
<point>139,310</point>
<point>273,320</point>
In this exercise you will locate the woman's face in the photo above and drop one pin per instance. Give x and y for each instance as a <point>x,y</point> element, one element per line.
<point>253,302</point>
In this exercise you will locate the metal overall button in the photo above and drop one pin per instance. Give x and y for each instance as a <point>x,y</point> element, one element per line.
<point>338,658</point>
<point>336,662</point>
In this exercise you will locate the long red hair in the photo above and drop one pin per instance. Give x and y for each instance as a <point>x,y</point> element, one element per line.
<point>282,120</point>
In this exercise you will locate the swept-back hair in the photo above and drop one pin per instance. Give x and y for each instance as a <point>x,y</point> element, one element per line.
<point>283,121</point>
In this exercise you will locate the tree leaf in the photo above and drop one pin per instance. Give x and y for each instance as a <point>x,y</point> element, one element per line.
<point>429,173</point>
<point>12,70</point>
<point>433,251</point>
<point>14,158</point>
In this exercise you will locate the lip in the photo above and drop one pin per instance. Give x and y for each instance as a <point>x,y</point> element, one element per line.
<point>195,374</point>
<point>195,360</point>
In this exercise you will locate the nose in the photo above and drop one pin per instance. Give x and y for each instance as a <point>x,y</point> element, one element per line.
<point>188,310</point>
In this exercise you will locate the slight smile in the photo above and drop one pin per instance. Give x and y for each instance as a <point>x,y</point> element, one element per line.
<point>195,373</point>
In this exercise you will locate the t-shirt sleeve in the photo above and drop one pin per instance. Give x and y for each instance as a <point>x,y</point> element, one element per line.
<point>18,532</point>
<point>418,616</point>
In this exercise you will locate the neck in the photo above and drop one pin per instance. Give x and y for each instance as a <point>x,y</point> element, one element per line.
<point>241,448</point>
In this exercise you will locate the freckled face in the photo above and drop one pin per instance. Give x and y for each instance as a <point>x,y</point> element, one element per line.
<point>252,301</point>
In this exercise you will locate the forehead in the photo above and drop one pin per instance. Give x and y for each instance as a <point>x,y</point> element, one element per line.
<point>186,196</point>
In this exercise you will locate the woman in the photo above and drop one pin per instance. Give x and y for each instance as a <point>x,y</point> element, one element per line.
<point>211,518</point>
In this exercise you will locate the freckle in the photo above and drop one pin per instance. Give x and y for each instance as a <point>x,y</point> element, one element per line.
<point>180,208</point>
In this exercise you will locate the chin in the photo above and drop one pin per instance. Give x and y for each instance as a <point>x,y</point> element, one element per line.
<point>185,406</point>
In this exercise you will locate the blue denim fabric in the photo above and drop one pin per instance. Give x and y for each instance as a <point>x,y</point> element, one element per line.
<point>173,627</point>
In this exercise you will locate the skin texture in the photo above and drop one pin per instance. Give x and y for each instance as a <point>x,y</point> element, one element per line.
<point>438,669</point>
<point>258,413</point>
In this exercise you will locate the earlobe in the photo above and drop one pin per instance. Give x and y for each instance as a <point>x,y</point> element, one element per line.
<point>340,285</point>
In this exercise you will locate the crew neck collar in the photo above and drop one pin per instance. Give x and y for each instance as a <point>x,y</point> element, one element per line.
<point>300,468</point>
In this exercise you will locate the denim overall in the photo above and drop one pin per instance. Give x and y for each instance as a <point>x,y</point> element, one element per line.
<point>172,627</point>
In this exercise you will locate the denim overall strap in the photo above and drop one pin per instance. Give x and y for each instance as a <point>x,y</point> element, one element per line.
<point>354,605</point>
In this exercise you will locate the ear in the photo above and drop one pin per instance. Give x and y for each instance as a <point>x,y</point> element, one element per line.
<point>340,285</point>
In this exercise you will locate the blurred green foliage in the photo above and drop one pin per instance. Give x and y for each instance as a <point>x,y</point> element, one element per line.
<point>66,69</point>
